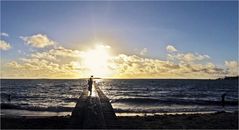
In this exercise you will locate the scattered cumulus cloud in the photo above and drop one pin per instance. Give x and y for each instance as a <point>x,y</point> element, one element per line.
<point>232,67</point>
<point>57,54</point>
<point>4,45</point>
<point>43,55</point>
<point>21,52</point>
<point>122,66</point>
<point>144,51</point>
<point>188,57</point>
<point>61,62</point>
<point>185,56</point>
<point>4,34</point>
<point>171,48</point>
<point>139,67</point>
<point>141,52</point>
<point>38,40</point>
<point>57,62</point>
<point>61,51</point>
<point>34,67</point>
<point>14,64</point>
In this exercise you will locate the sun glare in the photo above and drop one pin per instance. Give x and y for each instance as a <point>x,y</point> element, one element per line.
<point>96,60</point>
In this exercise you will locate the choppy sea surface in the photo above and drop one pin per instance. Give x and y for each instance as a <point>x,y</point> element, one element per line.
<point>128,96</point>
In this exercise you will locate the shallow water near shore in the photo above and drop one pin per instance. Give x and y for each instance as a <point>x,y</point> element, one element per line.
<point>140,96</point>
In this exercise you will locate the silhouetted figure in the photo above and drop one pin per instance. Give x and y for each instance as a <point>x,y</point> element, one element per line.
<point>9,98</point>
<point>90,83</point>
<point>223,99</point>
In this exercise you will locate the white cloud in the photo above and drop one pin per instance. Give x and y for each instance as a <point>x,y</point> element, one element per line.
<point>139,67</point>
<point>144,51</point>
<point>231,64</point>
<point>38,40</point>
<point>43,55</point>
<point>184,56</point>
<point>4,34</point>
<point>59,54</point>
<point>4,45</point>
<point>140,51</point>
<point>171,48</point>
<point>232,67</point>
<point>34,67</point>
<point>122,65</point>
<point>58,62</point>
<point>190,57</point>
<point>61,51</point>
<point>62,62</point>
<point>14,64</point>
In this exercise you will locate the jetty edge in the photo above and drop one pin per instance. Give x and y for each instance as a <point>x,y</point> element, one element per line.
<point>93,111</point>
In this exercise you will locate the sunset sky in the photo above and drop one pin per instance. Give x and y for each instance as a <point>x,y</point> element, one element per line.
<point>119,39</point>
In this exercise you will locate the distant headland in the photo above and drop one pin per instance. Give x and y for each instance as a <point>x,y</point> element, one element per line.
<point>229,78</point>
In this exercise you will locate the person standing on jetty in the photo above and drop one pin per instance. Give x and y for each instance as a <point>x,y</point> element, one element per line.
<point>223,99</point>
<point>90,83</point>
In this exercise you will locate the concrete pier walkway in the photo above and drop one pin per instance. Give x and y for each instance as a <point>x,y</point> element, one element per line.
<point>93,111</point>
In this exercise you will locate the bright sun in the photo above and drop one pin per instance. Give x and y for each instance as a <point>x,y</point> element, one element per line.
<point>96,60</point>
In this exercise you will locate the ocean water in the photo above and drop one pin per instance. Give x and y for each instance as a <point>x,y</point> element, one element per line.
<point>58,97</point>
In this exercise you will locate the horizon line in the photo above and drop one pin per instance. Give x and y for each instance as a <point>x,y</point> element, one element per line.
<point>118,78</point>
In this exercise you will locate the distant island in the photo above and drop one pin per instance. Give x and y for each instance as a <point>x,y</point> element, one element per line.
<point>229,78</point>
